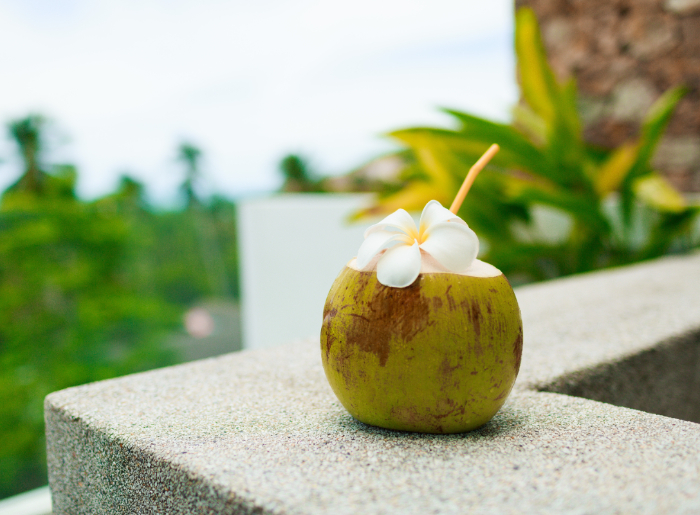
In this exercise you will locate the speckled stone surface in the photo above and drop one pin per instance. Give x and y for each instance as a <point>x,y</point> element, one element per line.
<point>261,432</point>
<point>582,321</point>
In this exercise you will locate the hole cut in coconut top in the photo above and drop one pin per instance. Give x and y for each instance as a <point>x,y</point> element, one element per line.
<point>429,265</point>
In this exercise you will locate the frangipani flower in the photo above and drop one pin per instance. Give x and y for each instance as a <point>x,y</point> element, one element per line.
<point>442,234</point>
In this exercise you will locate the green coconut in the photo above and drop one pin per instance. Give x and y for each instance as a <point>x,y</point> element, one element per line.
<point>439,356</point>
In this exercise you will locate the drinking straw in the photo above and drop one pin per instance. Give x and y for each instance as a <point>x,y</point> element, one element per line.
<point>471,176</point>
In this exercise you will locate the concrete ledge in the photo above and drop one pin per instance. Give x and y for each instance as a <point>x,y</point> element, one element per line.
<point>663,380</point>
<point>261,432</point>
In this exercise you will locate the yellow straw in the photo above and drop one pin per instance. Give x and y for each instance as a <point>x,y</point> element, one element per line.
<point>471,176</point>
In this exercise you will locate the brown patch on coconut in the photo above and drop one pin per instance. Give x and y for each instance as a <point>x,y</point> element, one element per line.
<point>518,350</point>
<point>475,316</point>
<point>327,320</point>
<point>391,313</point>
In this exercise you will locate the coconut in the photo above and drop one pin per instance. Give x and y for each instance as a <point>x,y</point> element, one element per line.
<point>438,356</point>
<point>422,347</point>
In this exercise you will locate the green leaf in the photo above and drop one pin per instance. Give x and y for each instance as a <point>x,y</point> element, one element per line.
<point>489,211</point>
<point>516,150</point>
<point>468,145</point>
<point>424,137</point>
<point>654,125</point>
<point>566,146</point>
<point>653,128</point>
<point>536,78</point>
<point>555,105</point>
<point>567,110</point>
<point>581,208</point>
<point>670,229</point>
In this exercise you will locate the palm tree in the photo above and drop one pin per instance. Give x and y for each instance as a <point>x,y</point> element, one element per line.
<point>297,175</point>
<point>203,225</point>
<point>190,156</point>
<point>27,133</point>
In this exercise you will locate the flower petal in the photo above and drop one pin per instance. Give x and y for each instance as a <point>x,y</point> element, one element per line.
<point>398,220</point>
<point>374,243</point>
<point>399,266</point>
<point>454,246</point>
<point>434,213</point>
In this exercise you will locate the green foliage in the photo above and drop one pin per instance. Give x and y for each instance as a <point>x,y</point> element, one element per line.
<point>182,256</point>
<point>618,209</point>
<point>298,177</point>
<point>68,315</point>
<point>91,290</point>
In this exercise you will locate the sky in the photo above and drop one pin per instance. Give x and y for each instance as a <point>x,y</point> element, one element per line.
<point>125,82</point>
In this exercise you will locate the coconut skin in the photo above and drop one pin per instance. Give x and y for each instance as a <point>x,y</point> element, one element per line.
<point>439,356</point>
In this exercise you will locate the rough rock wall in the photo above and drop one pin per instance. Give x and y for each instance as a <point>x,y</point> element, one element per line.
<point>624,54</point>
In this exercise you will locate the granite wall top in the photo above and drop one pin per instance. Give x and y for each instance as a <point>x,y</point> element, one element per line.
<point>261,431</point>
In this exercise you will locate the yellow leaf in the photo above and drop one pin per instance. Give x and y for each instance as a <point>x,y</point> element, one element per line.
<point>434,155</point>
<point>413,197</point>
<point>658,193</point>
<point>435,163</point>
<point>611,173</point>
<point>536,78</point>
<point>530,123</point>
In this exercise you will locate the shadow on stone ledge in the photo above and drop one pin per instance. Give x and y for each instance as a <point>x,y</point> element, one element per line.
<point>664,380</point>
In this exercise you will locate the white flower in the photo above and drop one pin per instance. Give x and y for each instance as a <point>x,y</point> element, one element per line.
<point>442,234</point>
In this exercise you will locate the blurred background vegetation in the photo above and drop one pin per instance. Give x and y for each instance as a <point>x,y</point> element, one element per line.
<point>92,290</point>
<point>96,289</point>
<point>549,204</point>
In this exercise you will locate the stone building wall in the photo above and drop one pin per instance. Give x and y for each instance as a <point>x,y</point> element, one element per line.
<point>624,54</point>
